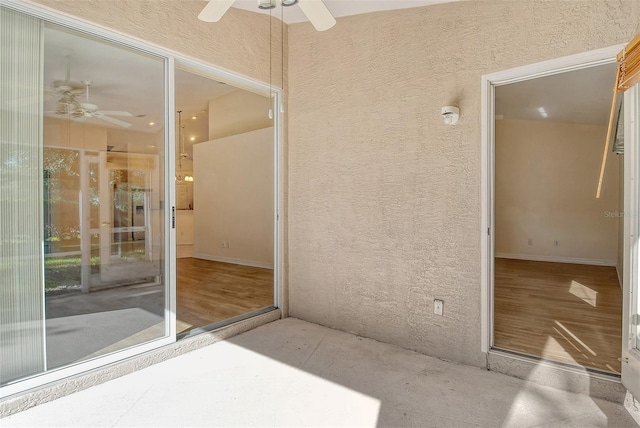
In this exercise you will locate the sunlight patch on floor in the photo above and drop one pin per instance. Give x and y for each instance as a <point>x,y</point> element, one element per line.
<point>550,405</point>
<point>583,292</point>
<point>327,402</point>
<point>554,350</point>
<point>584,345</point>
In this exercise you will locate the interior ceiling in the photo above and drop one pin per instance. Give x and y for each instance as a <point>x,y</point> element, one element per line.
<point>338,8</point>
<point>123,80</point>
<point>193,93</point>
<point>580,96</point>
<point>117,85</point>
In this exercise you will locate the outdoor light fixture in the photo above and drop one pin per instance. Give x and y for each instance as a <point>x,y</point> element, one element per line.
<point>450,115</point>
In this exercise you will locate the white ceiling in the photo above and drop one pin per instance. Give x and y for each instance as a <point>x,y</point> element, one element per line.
<point>581,96</point>
<point>193,94</point>
<point>338,8</point>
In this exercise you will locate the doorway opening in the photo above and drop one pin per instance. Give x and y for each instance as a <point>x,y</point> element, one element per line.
<point>225,217</point>
<point>557,246</point>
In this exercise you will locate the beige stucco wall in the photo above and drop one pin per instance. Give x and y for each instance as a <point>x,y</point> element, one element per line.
<point>546,175</point>
<point>384,201</point>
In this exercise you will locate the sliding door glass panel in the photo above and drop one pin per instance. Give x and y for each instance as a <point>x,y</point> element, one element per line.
<point>225,199</point>
<point>21,216</point>
<point>82,239</point>
<point>103,144</point>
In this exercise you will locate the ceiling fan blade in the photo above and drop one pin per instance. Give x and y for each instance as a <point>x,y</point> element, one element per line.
<point>112,120</point>
<point>318,14</point>
<point>214,10</point>
<point>116,113</point>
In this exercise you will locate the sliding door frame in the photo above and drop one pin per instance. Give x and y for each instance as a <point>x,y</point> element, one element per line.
<point>170,59</point>
<point>487,231</point>
<point>275,94</point>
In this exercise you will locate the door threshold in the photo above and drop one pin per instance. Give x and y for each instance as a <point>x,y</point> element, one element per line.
<point>573,368</point>
<point>224,323</point>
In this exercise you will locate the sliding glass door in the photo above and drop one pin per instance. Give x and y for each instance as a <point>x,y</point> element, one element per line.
<point>83,236</point>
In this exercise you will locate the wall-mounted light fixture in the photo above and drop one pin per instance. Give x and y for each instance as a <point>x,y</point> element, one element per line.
<point>450,114</point>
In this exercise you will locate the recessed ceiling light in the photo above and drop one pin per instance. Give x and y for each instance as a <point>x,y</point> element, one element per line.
<point>193,138</point>
<point>152,145</point>
<point>151,123</point>
<point>194,117</point>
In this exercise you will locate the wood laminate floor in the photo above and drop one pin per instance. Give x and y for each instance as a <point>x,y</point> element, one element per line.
<point>562,312</point>
<point>211,291</point>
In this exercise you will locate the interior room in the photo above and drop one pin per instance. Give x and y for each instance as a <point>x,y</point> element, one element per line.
<point>224,200</point>
<point>558,237</point>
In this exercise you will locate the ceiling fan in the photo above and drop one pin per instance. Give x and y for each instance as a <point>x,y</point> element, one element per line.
<point>69,104</point>
<point>315,10</point>
<point>67,88</point>
<point>69,92</point>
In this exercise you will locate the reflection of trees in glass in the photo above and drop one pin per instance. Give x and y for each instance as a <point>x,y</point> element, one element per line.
<point>128,188</point>
<point>94,191</point>
<point>61,199</point>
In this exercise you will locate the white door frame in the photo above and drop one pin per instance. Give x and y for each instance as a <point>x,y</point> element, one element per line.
<point>630,353</point>
<point>489,81</point>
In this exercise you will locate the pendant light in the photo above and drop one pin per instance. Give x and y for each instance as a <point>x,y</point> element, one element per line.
<point>179,177</point>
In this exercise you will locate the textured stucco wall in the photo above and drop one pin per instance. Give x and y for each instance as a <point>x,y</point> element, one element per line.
<point>384,202</point>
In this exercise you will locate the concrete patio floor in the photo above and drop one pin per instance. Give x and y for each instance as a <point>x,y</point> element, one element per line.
<point>293,373</point>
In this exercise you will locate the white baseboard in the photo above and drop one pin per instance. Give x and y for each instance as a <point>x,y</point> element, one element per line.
<point>184,251</point>
<point>556,259</point>
<point>233,261</point>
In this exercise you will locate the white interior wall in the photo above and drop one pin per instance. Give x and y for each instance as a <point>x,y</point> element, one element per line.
<point>546,175</point>
<point>233,193</point>
<point>238,112</point>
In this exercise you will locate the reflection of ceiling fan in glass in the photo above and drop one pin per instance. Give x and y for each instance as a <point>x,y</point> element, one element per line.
<point>315,10</point>
<point>68,104</point>
<point>86,110</point>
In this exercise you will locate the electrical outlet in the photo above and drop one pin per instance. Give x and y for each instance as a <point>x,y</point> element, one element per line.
<point>438,306</point>
<point>530,241</point>
<point>228,244</point>
<point>556,243</point>
<point>222,244</point>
